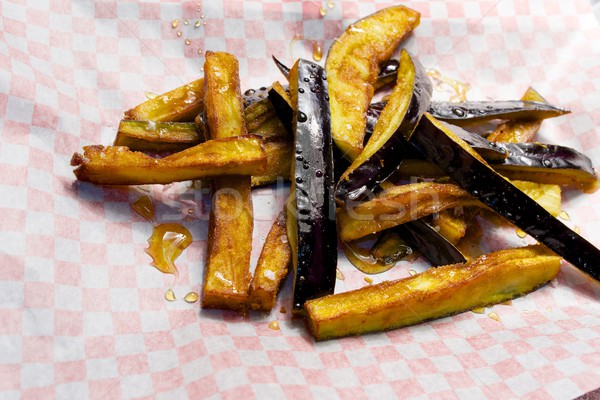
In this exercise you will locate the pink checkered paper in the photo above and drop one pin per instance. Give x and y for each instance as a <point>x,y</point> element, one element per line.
<point>82,312</point>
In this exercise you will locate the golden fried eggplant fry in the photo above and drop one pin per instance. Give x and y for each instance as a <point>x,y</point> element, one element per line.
<point>117,165</point>
<point>435,293</point>
<point>181,104</point>
<point>272,267</point>
<point>397,205</point>
<point>227,273</point>
<point>157,137</point>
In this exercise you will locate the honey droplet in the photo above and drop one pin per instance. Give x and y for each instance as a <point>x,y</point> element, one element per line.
<point>274,325</point>
<point>330,3</point>
<point>368,280</point>
<point>166,244</point>
<point>144,207</point>
<point>175,23</point>
<point>188,42</point>
<point>197,24</point>
<point>282,310</point>
<point>150,95</point>
<point>186,22</point>
<point>494,316</point>
<point>317,50</point>
<point>521,233</point>
<point>412,272</point>
<point>179,33</point>
<point>170,295</point>
<point>577,230</point>
<point>339,275</point>
<point>191,297</point>
<point>478,310</point>
<point>323,11</point>
<point>563,215</point>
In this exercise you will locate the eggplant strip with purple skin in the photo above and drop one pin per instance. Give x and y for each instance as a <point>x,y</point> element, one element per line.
<point>409,100</point>
<point>437,141</point>
<point>311,212</point>
<point>353,66</point>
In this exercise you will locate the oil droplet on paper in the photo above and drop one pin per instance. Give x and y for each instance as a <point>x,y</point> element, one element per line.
<point>478,310</point>
<point>323,11</point>
<point>188,42</point>
<point>197,24</point>
<point>282,310</point>
<point>317,50</point>
<point>144,207</point>
<point>368,280</point>
<point>460,88</point>
<point>179,33</point>
<point>191,297</point>
<point>339,275</point>
<point>170,295</point>
<point>563,215</point>
<point>274,325</point>
<point>521,233</point>
<point>166,244</point>
<point>175,23</point>
<point>186,22</point>
<point>150,95</point>
<point>412,272</point>
<point>577,230</point>
<point>507,303</point>
<point>494,316</point>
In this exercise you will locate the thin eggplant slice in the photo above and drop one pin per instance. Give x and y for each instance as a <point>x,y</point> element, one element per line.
<point>467,112</point>
<point>353,65</point>
<point>519,131</point>
<point>547,163</point>
<point>311,209</point>
<point>385,149</point>
<point>438,142</point>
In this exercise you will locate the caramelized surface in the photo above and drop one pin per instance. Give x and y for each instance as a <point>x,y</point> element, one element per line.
<point>157,136</point>
<point>435,293</point>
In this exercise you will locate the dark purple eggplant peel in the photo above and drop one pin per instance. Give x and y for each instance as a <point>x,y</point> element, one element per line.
<point>311,219</point>
<point>440,145</point>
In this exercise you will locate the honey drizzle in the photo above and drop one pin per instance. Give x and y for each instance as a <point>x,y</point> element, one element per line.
<point>460,88</point>
<point>166,244</point>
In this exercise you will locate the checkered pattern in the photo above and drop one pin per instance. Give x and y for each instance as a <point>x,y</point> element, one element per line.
<point>83,314</point>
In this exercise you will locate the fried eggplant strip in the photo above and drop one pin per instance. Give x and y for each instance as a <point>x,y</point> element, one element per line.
<point>181,104</point>
<point>117,165</point>
<point>435,293</point>
<point>157,137</point>
<point>227,274</point>
<point>398,205</point>
<point>272,267</point>
<point>353,66</point>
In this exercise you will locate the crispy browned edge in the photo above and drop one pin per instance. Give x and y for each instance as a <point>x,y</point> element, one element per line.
<point>272,267</point>
<point>227,272</point>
